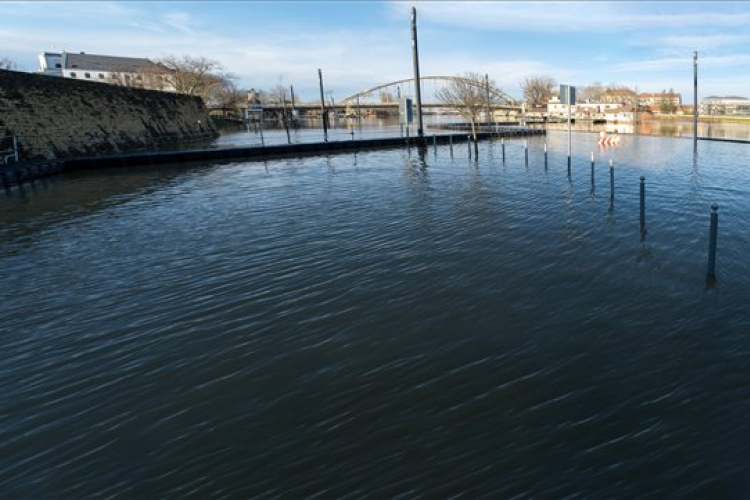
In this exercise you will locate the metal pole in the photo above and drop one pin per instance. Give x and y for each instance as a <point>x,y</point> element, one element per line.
<point>502,144</point>
<point>569,135</point>
<point>592,169</point>
<point>712,241</point>
<point>643,205</point>
<point>434,142</point>
<point>695,98</point>
<point>526,152</point>
<point>323,107</point>
<point>286,119</point>
<point>359,115</point>
<point>545,155</point>
<point>294,114</point>
<point>468,143</point>
<point>487,88</point>
<point>262,141</point>
<point>612,179</point>
<point>415,52</point>
<point>451,142</point>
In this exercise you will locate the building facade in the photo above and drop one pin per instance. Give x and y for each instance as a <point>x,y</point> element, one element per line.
<point>115,70</point>
<point>725,106</point>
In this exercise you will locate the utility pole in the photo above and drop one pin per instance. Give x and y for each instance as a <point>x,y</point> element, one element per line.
<point>323,107</point>
<point>415,52</point>
<point>695,98</point>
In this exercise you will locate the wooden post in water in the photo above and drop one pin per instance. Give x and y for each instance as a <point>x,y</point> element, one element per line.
<point>545,155</point>
<point>712,242</point>
<point>611,179</point>
<point>643,205</point>
<point>451,142</point>
<point>323,107</point>
<point>526,152</point>
<point>502,144</point>
<point>468,143</point>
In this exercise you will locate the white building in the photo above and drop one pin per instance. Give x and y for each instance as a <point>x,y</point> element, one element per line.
<point>126,71</point>
<point>727,106</point>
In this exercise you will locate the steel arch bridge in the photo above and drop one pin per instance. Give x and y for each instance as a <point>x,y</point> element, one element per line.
<point>378,90</point>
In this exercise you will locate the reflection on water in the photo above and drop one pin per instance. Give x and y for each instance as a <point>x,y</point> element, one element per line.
<point>390,323</point>
<point>738,131</point>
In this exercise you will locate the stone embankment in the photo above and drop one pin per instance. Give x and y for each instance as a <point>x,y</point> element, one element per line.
<point>56,118</point>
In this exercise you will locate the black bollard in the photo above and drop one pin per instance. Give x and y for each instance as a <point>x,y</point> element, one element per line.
<point>643,205</point>
<point>611,179</point>
<point>712,242</point>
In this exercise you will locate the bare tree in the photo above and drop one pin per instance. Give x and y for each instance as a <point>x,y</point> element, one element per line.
<point>468,95</point>
<point>537,90</point>
<point>591,92</point>
<point>6,63</point>
<point>192,75</point>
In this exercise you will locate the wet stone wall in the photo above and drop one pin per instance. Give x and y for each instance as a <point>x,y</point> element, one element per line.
<point>56,118</point>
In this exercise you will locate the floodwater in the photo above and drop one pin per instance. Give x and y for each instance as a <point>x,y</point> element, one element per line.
<point>383,324</point>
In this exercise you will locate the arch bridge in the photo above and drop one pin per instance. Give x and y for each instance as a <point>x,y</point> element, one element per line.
<point>389,93</point>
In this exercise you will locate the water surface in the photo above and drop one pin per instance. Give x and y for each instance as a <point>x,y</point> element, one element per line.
<point>382,323</point>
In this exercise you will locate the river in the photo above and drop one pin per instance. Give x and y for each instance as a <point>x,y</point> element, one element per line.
<point>381,324</point>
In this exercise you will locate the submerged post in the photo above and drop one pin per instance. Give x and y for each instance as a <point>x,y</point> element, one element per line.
<point>611,179</point>
<point>417,86</point>
<point>526,152</point>
<point>451,143</point>
<point>323,107</point>
<point>643,205</point>
<point>712,242</point>
<point>502,144</point>
<point>468,144</point>
<point>545,155</point>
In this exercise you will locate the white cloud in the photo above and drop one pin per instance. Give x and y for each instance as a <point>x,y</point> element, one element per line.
<point>594,17</point>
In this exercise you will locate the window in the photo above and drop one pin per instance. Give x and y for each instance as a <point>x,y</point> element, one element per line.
<point>72,74</point>
<point>101,76</point>
<point>58,65</point>
<point>87,75</point>
<point>73,65</point>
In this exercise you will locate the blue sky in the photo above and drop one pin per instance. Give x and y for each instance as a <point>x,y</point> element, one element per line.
<point>360,44</point>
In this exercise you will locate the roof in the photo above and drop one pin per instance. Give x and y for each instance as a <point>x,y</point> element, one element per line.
<point>106,63</point>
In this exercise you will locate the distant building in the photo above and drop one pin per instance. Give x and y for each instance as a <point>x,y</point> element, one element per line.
<point>125,71</point>
<point>656,100</point>
<point>727,106</point>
